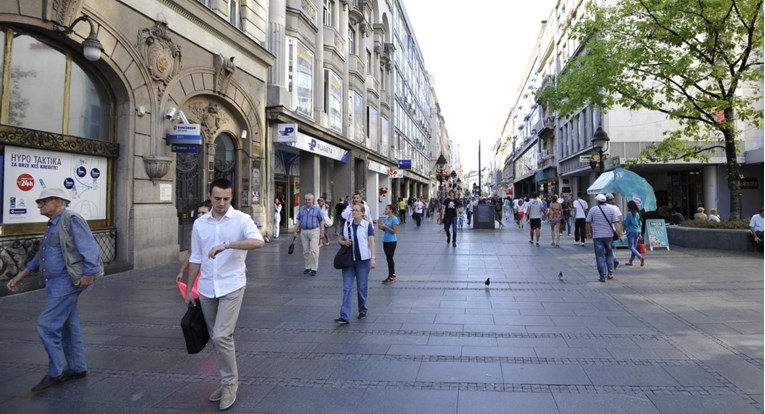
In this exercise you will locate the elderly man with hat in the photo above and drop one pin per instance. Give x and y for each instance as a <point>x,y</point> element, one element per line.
<point>602,221</point>
<point>69,261</point>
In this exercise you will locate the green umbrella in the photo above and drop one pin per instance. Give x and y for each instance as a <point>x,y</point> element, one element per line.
<point>628,184</point>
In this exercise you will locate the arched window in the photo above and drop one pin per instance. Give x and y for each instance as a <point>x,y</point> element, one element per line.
<point>48,90</point>
<point>225,160</point>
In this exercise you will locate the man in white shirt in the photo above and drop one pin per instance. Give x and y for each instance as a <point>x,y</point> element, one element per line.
<point>756,225</point>
<point>534,213</point>
<point>220,240</point>
<point>355,200</point>
<point>419,207</point>
<point>602,221</point>
<point>580,206</point>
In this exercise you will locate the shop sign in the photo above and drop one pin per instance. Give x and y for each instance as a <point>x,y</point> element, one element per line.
<point>395,173</point>
<point>405,164</point>
<point>188,134</point>
<point>377,167</point>
<point>28,171</point>
<point>310,144</point>
<point>286,133</point>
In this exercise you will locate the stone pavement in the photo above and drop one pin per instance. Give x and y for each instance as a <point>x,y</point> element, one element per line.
<point>682,335</point>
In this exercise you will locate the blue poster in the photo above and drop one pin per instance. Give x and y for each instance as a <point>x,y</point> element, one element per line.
<point>656,234</point>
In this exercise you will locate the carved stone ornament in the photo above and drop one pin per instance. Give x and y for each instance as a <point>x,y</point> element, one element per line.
<point>161,56</point>
<point>156,167</point>
<point>210,116</point>
<point>62,12</point>
<point>224,71</point>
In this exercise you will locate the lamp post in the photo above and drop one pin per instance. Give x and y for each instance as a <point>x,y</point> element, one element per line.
<point>441,174</point>
<point>599,143</point>
<point>91,46</point>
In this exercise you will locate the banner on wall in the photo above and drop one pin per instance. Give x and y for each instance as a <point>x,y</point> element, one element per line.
<point>29,171</point>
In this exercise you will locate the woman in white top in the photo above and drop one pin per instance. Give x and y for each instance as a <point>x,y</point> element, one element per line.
<point>714,215</point>
<point>359,235</point>
<point>277,216</point>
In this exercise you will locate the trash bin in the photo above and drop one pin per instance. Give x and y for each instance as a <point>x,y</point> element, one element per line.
<point>483,216</point>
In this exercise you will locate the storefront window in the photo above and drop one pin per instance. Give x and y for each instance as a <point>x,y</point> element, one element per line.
<point>88,113</point>
<point>36,91</point>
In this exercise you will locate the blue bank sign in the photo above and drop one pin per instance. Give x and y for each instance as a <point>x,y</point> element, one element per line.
<point>405,164</point>
<point>185,137</point>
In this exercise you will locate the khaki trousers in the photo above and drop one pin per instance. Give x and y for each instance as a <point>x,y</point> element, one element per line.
<point>221,315</point>
<point>310,240</point>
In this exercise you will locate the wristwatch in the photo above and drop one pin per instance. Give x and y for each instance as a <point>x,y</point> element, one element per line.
<point>226,245</point>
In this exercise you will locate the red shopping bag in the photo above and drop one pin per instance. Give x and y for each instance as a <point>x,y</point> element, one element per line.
<point>641,246</point>
<point>194,289</point>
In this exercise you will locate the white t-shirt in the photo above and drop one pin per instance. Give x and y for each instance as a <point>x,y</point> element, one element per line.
<point>580,206</point>
<point>418,206</point>
<point>534,209</point>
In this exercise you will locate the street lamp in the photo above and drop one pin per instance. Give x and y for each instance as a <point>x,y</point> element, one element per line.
<point>599,143</point>
<point>441,174</point>
<point>91,46</point>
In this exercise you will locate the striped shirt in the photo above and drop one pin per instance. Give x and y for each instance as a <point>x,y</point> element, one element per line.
<point>309,218</point>
<point>600,227</point>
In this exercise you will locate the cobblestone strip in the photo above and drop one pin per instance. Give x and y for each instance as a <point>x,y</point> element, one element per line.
<point>404,385</point>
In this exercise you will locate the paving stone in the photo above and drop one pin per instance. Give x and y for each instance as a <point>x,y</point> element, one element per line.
<point>703,404</point>
<point>629,375</point>
<point>544,374</point>
<point>598,403</point>
<point>478,402</point>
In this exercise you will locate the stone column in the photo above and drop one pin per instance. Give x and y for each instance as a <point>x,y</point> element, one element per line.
<point>276,42</point>
<point>711,191</point>
<point>310,172</point>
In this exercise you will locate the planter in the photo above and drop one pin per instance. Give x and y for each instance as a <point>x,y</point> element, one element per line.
<point>713,239</point>
<point>156,167</point>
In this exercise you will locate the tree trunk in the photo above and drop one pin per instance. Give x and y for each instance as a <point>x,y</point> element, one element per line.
<point>734,175</point>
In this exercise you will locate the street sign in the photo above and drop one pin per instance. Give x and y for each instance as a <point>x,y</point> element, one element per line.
<point>405,164</point>
<point>585,158</point>
<point>188,148</point>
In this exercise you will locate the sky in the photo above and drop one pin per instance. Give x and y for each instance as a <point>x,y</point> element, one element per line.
<point>477,56</point>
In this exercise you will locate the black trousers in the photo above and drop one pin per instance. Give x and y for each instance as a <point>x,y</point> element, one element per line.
<point>580,230</point>
<point>390,248</point>
<point>402,216</point>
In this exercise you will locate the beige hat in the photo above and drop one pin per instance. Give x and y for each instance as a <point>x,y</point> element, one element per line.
<point>54,192</point>
<point>609,196</point>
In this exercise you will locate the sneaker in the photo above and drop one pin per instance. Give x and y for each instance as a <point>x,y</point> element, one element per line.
<point>448,240</point>
<point>48,382</point>
<point>228,396</point>
<point>537,244</point>
<point>454,244</point>
<point>389,281</point>
<point>616,264</point>
<point>341,321</point>
<point>362,316</point>
<point>313,273</point>
<point>217,394</point>
<point>306,271</point>
<point>610,276</point>
<point>582,244</point>
<point>628,264</point>
<point>531,241</point>
<point>642,262</point>
<point>603,280</point>
<point>71,375</point>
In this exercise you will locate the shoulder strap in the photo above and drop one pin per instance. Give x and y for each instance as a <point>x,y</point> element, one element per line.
<point>604,215</point>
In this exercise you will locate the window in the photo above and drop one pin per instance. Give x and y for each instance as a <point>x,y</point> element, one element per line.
<point>369,62</point>
<point>300,76</point>
<point>327,15</point>
<point>372,128</point>
<point>233,14</point>
<point>351,41</point>
<point>333,106</point>
<point>357,104</point>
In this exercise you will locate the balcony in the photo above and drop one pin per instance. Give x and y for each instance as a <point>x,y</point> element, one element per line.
<point>356,66</point>
<point>356,11</point>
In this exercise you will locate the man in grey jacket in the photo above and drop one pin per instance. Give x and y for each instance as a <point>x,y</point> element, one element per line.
<point>69,261</point>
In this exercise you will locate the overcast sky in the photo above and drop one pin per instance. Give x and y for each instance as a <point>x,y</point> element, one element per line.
<point>477,55</point>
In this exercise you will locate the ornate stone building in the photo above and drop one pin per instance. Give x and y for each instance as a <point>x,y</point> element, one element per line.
<point>98,124</point>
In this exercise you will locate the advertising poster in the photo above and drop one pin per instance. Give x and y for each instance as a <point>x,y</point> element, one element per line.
<point>656,232</point>
<point>28,171</point>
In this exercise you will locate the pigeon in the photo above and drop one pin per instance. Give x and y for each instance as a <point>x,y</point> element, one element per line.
<point>487,282</point>
<point>560,275</point>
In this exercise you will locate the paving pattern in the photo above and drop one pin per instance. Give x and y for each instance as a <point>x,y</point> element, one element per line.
<point>682,335</point>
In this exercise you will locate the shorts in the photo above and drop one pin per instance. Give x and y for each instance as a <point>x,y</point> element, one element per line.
<point>536,223</point>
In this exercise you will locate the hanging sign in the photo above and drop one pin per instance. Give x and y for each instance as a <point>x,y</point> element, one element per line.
<point>189,134</point>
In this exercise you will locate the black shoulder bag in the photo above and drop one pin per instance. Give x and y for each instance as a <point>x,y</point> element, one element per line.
<point>344,256</point>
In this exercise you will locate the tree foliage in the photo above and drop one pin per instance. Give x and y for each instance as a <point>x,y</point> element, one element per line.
<point>699,62</point>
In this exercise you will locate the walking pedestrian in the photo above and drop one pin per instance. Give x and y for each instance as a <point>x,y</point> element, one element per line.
<point>339,220</point>
<point>601,223</point>
<point>554,215</point>
<point>534,214</point>
<point>632,226</point>
<point>219,242</point>
<point>402,210</point>
<point>69,261</point>
<point>310,228</point>
<point>358,200</point>
<point>203,209</point>
<point>324,207</point>
<point>418,208</point>
<point>449,217</point>
<point>360,236</point>
<point>580,214</point>
<point>567,218</point>
<point>389,224</point>
<point>277,216</point>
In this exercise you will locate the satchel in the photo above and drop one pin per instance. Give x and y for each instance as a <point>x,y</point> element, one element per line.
<point>344,256</point>
<point>194,329</point>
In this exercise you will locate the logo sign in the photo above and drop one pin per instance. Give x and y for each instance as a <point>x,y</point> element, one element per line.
<point>25,182</point>
<point>405,164</point>
<point>395,173</point>
<point>286,133</point>
<point>185,134</point>
<point>187,148</point>
<point>318,147</point>
<point>585,158</point>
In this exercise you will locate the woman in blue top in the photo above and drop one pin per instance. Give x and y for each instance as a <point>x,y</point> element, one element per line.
<point>633,226</point>
<point>389,224</point>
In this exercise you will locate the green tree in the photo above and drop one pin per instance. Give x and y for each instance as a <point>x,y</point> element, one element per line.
<point>698,62</point>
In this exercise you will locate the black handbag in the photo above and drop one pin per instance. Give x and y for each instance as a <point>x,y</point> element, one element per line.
<point>194,329</point>
<point>344,256</point>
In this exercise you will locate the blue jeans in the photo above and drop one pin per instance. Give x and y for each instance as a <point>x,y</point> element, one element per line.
<point>632,239</point>
<point>360,272</point>
<point>604,256</point>
<point>59,327</point>
<point>569,224</point>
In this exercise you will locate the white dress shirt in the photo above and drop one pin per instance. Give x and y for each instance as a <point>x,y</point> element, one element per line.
<point>226,272</point>
<point>348,216</point>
